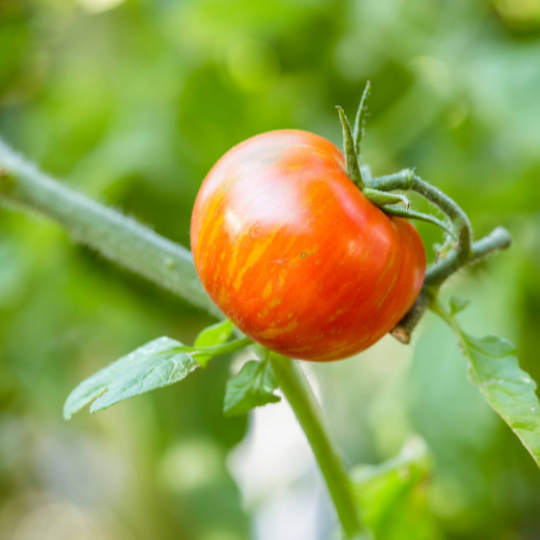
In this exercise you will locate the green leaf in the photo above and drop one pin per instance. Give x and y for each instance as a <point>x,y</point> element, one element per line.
<point>253,387</point>
<point>213,335</point>
<point>494,368</point>
<point>159,363</point>
<point>458,304</point>
<point>393,497</point>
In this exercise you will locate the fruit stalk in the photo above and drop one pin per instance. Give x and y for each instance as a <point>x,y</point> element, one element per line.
<point>466,251</point>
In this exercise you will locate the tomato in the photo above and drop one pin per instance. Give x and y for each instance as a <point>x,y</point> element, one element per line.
<point>295,255</point>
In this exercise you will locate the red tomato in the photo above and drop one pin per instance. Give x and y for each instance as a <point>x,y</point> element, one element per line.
<point>295,255</point>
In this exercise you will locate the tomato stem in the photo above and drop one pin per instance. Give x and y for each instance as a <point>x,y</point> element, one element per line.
<point>465,252</point>
<point>115,236</point>
<point>295,386</point>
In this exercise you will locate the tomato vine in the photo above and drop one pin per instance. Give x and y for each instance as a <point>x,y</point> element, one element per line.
<point>493,364</point>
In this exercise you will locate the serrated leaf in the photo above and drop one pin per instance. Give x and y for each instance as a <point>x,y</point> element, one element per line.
<point>213,335</point>
<point>156,364</point>
<point>458,304</point>
<point>494,368</point>
<point>253,387</point>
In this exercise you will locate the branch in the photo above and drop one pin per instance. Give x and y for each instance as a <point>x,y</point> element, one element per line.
<point>114,235</point>
<point>295,387</point>
<point>497,240</point>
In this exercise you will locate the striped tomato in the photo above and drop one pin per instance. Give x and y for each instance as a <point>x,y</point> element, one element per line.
<point>294,253</point>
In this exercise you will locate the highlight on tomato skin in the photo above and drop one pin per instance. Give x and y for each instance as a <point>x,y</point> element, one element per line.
<point>295,255</point>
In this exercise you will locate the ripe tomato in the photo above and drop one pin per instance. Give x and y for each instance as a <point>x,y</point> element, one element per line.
<point>295,255</point>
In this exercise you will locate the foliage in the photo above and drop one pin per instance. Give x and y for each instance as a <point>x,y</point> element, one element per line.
<point>254,386</point>
<point>133,105</point>
<point>494,369</point>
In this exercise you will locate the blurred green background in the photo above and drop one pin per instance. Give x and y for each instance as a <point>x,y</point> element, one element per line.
<point>131,102</point>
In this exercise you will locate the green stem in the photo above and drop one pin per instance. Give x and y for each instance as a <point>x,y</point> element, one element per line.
<point>496,240</point>
<point>115,236</point>
<point>465,252</point>
<point>296,389</point>
<point>165,263</point>
<point>446,316</point>
<point>407,180</point>
<point>215,350</point>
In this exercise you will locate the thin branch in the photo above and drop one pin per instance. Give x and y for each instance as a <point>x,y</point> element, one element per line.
<point>495,241</point>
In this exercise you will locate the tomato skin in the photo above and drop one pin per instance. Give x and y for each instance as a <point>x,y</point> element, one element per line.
<point>295,255</point>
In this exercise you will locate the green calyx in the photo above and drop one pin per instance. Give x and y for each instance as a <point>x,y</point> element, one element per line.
<point>351,157</point>
<point>384,199</point>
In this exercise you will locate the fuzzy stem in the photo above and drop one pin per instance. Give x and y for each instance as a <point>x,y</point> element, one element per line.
<point>496,240</point>
<point>115,236</point>
<point>466,252</point>
<point>296,389</point>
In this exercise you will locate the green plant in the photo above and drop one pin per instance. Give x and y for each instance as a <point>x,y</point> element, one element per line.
<point>493,365</point>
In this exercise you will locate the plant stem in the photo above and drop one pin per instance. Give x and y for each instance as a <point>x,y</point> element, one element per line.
<point>496,240</point>
<point>115,236</point>
<point>167,264</point>
<point>407,180</point>
<point>296,389</point>
<point>225,348</point>
<point>465,252</point>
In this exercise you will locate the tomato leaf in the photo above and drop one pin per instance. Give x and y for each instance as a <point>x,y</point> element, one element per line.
<point>154,365</point>
<point>253,387</point>
<point>494,368</point>
<point>213,335</point>
<point>393,497</point>
<point>159,363</point>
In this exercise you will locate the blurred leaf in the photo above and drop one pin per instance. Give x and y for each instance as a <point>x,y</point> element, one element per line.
<point>159,363</point>
<point>154,365</point>
<point>494,368</point>
<point>213,335</point>
<point>392,495</point>
<point>253,387</point>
